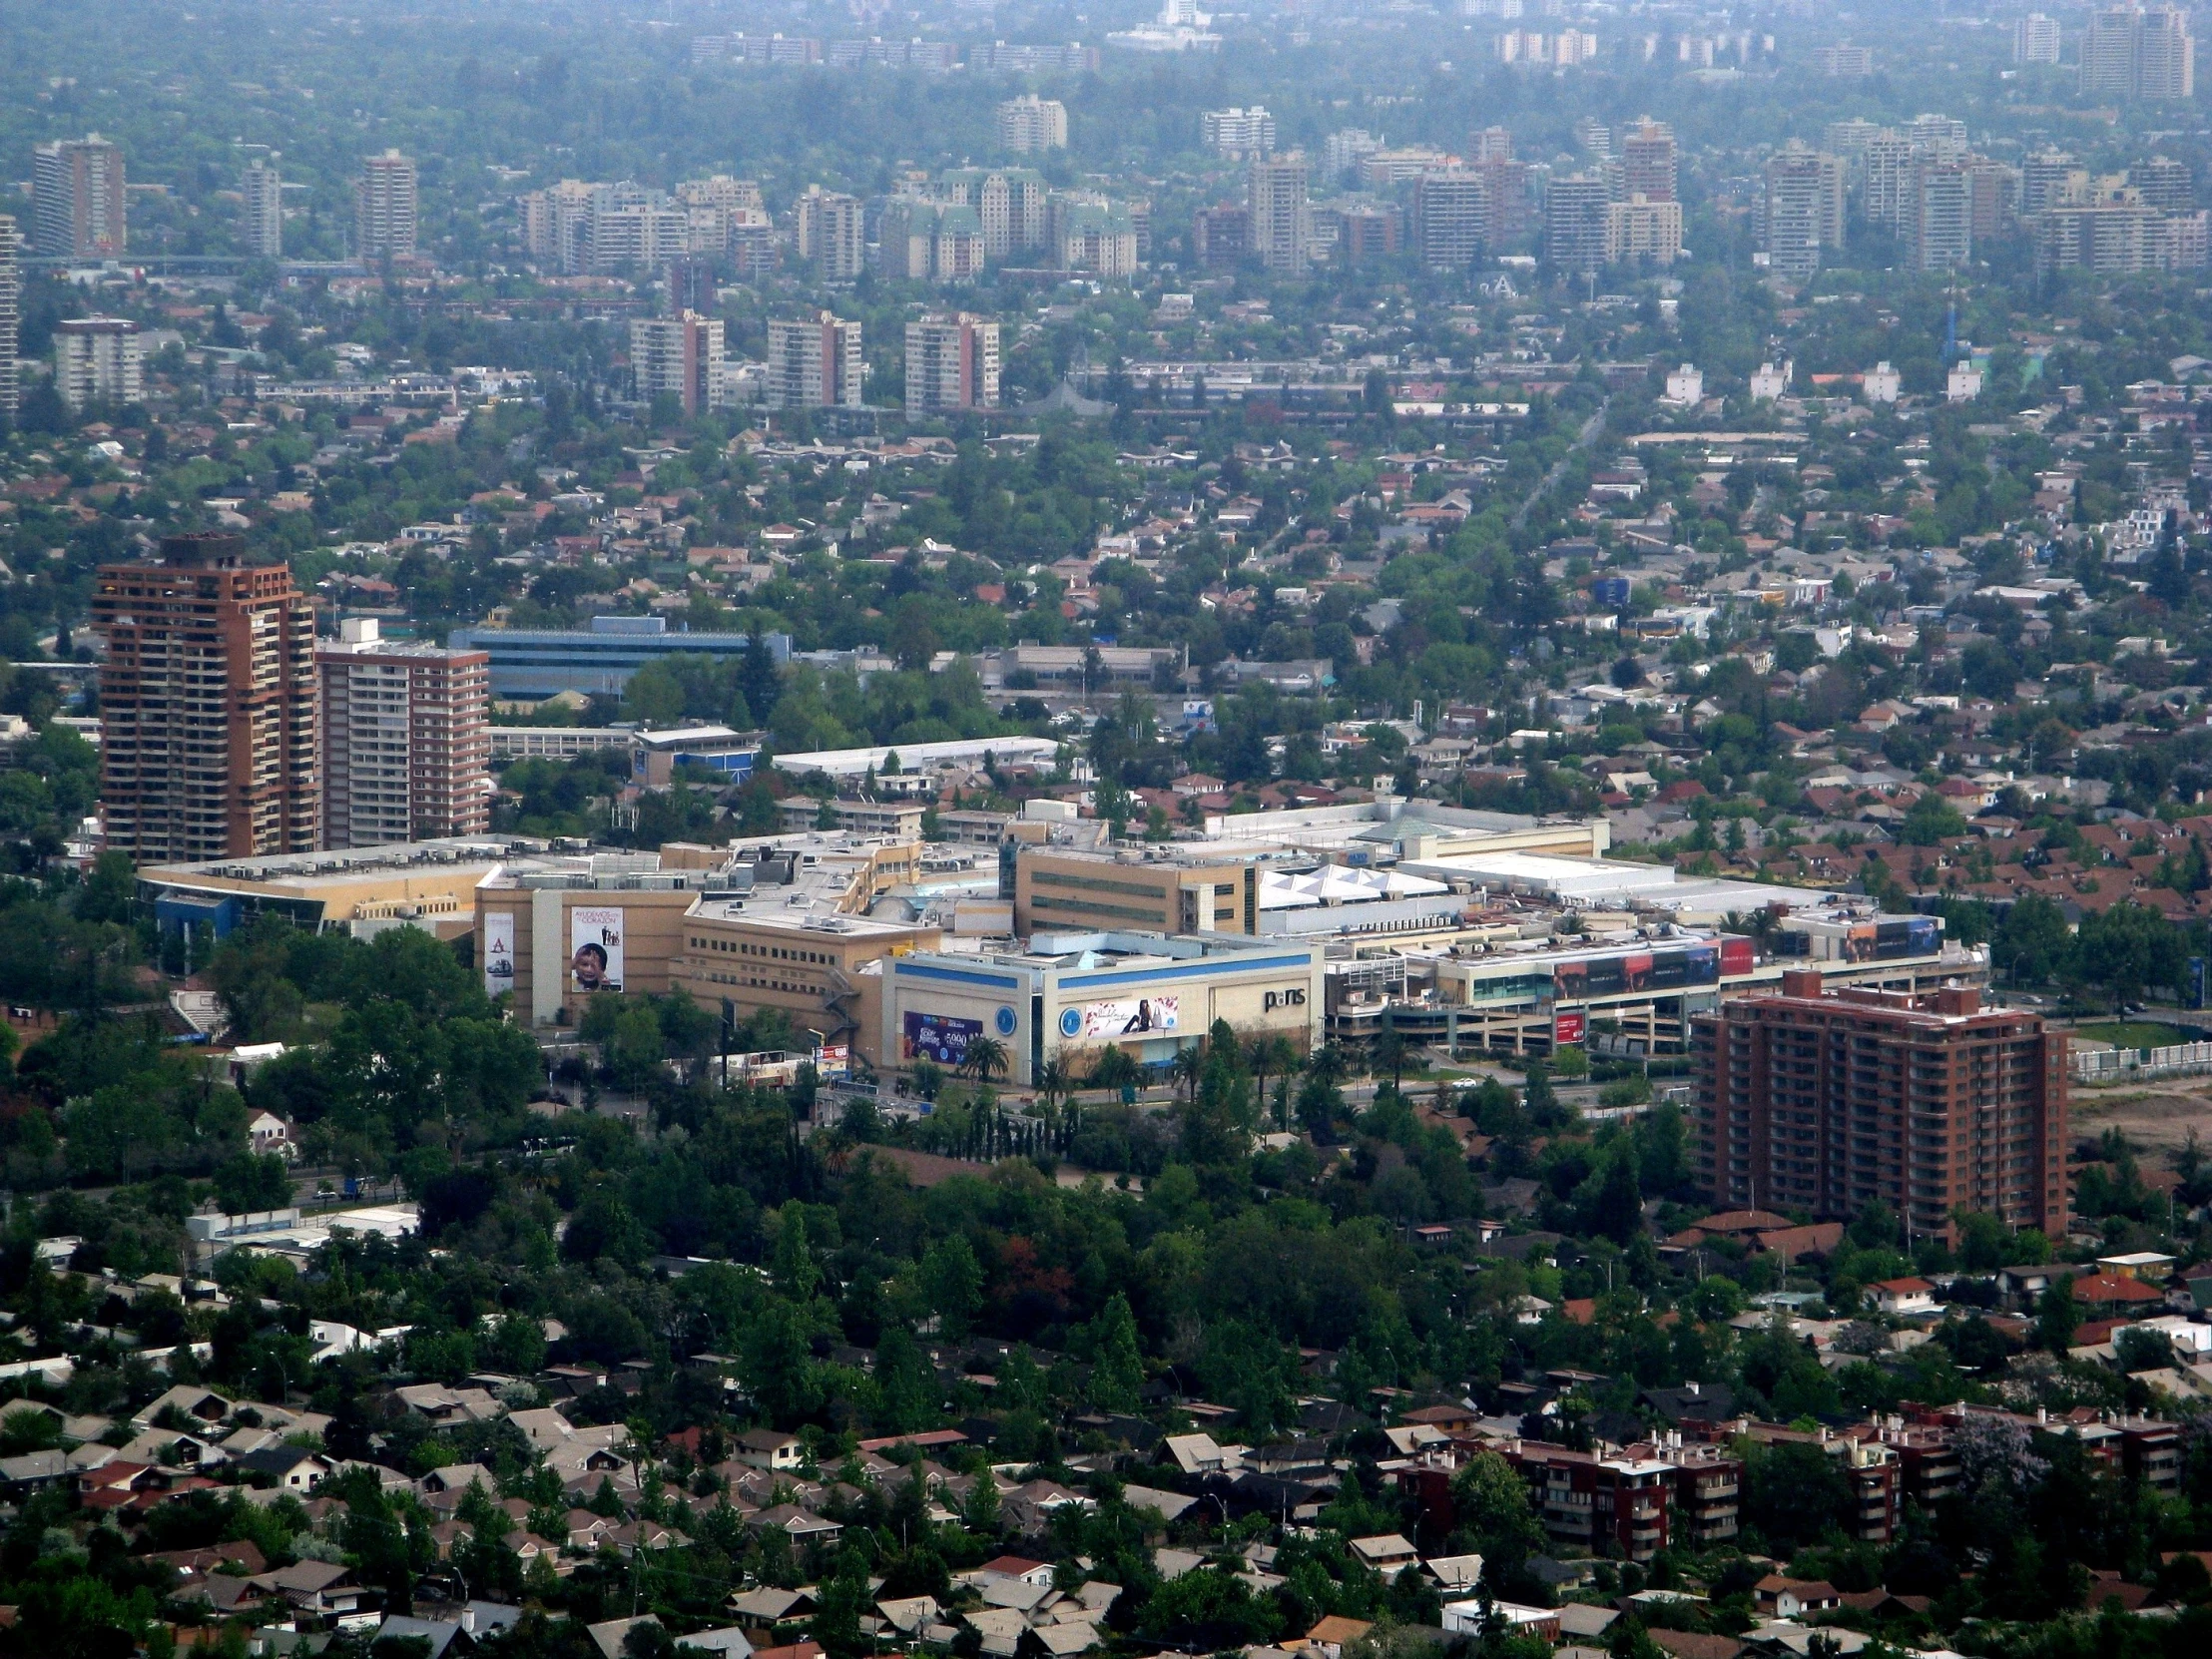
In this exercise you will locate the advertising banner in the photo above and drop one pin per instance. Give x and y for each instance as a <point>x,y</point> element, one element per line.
<point>835,1060</point>
<point>1132,1017</point>
<point>1567,1028</point>
<point>1735,958</point>
<point>499,951</point>
<point>939,1037</point>
<point>595,950</point>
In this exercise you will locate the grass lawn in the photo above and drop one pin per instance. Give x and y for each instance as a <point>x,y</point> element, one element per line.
<point>2135,1033</point>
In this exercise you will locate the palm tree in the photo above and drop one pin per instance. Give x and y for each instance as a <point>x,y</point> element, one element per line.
<point>1390,1049</point>
<point>984,1059</point>
<point>1327,1063</point>
<point>1054,1084</point>
<point>1113,1069</point>
<point>1269,1053</point>
<point>1186,1069</point>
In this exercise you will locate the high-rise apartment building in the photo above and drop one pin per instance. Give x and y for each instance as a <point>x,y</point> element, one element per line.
<point>1275,192</point>
<point>406,747</point>
<point>1238,134</point>
<point>1452,218</point>
<point>1938,216</point>
<point>2036,39</point>
<point>680,355</point>
<point>813,362</point>
<point>384,208</point>
<point>1577,223</point>
<point>2130,54</point>
<point>208,744</point>
<point>2051,179</point>
<point>1342,151</point>
<point>1639,232</point>
<point>952,364</point>
<point>1647,153</point>
<point>2165,183</point>
<point>1029,124</point>
<point>95,361</point>
<point>78,200</point>
<point>1826,1103</point>
<point>262,209</point>
<point>1802,210</point>
<point>11,314</point>
<point>832,235</point>
<point>1010,204</point>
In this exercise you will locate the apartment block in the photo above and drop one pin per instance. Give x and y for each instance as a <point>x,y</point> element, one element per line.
<point>1647,158</point>
<point>385,222</point>
<point>1275,192</point>
<point>1452,215</point>
<point>406,747</point>
<point>11,313</point>
<point>952,364</point>
<point>97,360</point>
<point>813,362</point>
<point>2131,55</point>
<point>1238,134</point>
<point>1802,210</point>
<point>678,356</point>
<point>1010,204</point>
<point>1029,124</point>
<point>262,209</point>
<point>1615,1505</point>
<point>206,705</point>
<point>1577,223</point>
<point>1829,1102</point>
<point>831,233</point>
<point>1643,231</point>
<point>2036,39</point>
<point>1938,216</point>
<point>78,201</point>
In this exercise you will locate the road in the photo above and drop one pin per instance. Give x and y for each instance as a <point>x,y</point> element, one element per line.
<point>1582,441</point>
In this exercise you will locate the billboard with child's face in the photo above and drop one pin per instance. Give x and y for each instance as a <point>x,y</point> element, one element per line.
<point>595,950</point>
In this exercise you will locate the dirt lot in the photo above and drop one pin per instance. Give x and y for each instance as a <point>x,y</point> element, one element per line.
<point>2154,1116</point>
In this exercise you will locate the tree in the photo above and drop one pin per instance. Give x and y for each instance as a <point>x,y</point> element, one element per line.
<point>249,1183</point>
<point>1115,1068</point>
<point>984,1059</point>
<point>1117,1366</point>
<point>1491,1500</point>
<point>2033,942</point>
<point>1793,1493</point>
<point>2057,1317</point>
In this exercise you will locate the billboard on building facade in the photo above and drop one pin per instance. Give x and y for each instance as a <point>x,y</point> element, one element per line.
<point>499,951</point>
<point>1567,1028</point>
<point>943,1038</point>
<point>1137,1016</point>
<point>595,957</point>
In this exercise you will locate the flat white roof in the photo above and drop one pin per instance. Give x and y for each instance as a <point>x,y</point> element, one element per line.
<point>851,762</point>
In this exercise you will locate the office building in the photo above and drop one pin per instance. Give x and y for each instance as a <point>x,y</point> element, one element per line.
<point>95,361</point>
<point>1578,222</point>
<point>208,746</point>
<point>1029,124</point>
<point>814,363</point>
<point>952,364</point>
<point>1452,218</point>
<point>2131,55</point>
<point>1643,232</point>
<point>678,356</point>
<point>1802,210</point>
<point>831,236</point>
<point>1939,216</point>
<point>406,748</point>
<point>532,663</point>
<point>1275,192</point>
<point>384,208</point>
<point>261,210</point>
<point>78,200</point>
<point>1828,1103</point>
<point>1238,135</point>
<point>2036,39</point>
<point>1647,152</point>
<point>11,314</point>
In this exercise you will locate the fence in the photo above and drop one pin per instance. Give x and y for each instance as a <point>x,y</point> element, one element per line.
<point>2107,1065</point>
